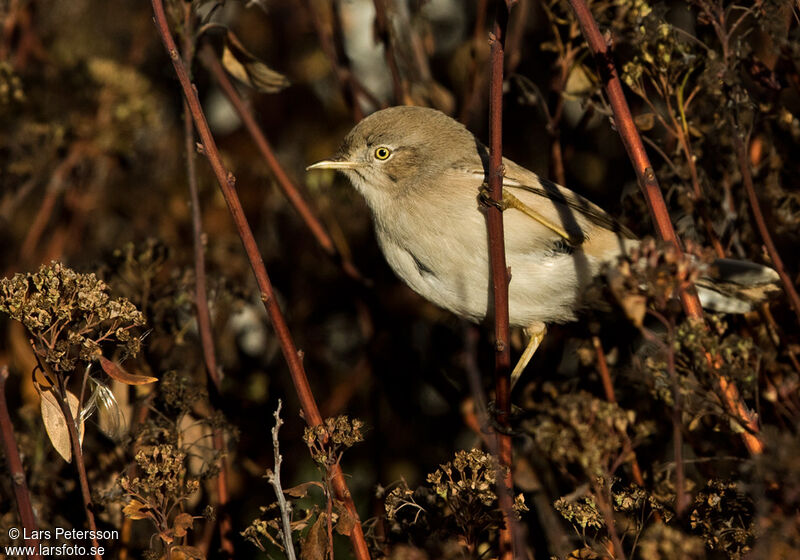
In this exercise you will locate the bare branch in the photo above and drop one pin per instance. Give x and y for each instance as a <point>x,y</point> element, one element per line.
<point>274,478</point>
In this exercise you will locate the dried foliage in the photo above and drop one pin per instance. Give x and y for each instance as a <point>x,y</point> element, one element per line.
<point>314,525</point>
<point>68,315</point>
<point>157,491</point>
<point>456,513</point>
<point>328,441</point>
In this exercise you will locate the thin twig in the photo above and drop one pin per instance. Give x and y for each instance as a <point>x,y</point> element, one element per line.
<point>227,182</point>
<point>761,224</point>
<point>383,31</point>
<point>55,188</point>
<point>201,297</point>
<point>60,395</point>
<point>333,49</point>
<point>141,409</point>
<point>668,348</point>
<point>474,378</point>
<point>15,470</point>
<point>290,190</point>
<point>475,79</point>
<point>652,192</point>
<point>201,290</point>
<point>565,61</point>
<point>608,388</point>
<point>681,131</point>
<point>329,515</point>
<point>274,478</point>
<point>604,505</point>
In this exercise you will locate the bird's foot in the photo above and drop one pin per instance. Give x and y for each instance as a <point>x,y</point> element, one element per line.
<point>485,198</point>
<point>536,333</point>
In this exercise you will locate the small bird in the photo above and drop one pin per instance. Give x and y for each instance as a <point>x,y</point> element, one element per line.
<point>423,175</point>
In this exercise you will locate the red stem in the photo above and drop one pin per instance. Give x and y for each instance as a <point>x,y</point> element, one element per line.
<point>652,193</point>
<point>227,181</point>
<point>206,337</point>
<point>500,278</point>
<point>631,139</point>
<point>15,469</point>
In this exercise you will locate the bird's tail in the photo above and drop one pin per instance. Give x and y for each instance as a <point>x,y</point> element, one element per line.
<point>731,286</point>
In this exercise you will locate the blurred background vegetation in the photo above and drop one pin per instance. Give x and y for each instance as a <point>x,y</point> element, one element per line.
<point>93,175</point>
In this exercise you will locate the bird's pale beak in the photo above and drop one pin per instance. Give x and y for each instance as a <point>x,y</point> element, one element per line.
<point>332,164</point>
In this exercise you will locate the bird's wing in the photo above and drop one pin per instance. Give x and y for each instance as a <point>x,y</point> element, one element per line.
<point>572,216</point>
<point>569,206</point>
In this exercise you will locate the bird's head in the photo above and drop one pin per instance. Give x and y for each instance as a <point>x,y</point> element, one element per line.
<point>398,150</point>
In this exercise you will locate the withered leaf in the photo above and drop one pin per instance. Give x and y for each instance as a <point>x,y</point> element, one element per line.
<point>182,522</point>
<point>346,521</point>
<point>645,121</point>
<point>56,424</point>
<point>115,371</point>
<point>248,69</point>
<point>584,553</point>
<point>315,543</point>
<point>186,553</point>
<point>635,307</point>
<point>579,82</point>
<point>135,510</point>
<point>302,523</point>
<point>301,490</point>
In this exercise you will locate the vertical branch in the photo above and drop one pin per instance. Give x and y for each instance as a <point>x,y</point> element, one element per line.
<point>15,469</point>
<point>761,224</point>
<point>652,193</point>
<point>289,189</point>
<point>681,498</point>
<point>668,347</point>
<point>141,409</point>
<point>328,45</point>
<point>227,182</point>
<point>500,280</point>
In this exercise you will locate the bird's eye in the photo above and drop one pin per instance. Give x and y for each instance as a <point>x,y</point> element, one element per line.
<point>382,153</point>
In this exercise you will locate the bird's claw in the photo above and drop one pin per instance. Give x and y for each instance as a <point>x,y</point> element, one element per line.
<point>485,198</point>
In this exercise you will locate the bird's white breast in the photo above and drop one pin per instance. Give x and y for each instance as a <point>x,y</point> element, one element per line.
<point>446,260</point>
